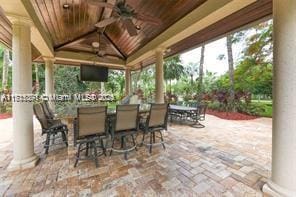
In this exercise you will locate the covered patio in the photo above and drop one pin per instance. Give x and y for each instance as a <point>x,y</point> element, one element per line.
<point>228,158</point>
<point>69,33</point>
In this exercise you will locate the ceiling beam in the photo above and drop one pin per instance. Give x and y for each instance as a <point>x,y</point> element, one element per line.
<point>87,58</point>
<point>205,15</point>
<point>74,41</point>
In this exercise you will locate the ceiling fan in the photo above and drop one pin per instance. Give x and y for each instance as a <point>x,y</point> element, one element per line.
<point>125,14</point>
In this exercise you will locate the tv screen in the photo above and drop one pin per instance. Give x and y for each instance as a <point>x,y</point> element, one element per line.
<point>93,73</point>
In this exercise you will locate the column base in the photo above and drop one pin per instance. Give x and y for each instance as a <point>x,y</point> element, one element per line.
<point>23,164</point>
<point>274,190</point>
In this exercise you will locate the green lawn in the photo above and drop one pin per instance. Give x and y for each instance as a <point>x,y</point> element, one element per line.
<point>262,101</point>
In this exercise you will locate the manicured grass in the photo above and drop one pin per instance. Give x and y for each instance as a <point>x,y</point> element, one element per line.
<point>262,101</point>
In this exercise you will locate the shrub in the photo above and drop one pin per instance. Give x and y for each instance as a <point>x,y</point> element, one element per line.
<point>251,109</point>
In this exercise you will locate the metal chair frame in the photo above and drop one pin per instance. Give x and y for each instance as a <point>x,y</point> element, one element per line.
<point>123,134</point>
<point>152,130</point>
<point>89,142</point>
<point>52,129</point>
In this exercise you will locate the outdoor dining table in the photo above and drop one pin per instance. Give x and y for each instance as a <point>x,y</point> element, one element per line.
<point>185,110</point>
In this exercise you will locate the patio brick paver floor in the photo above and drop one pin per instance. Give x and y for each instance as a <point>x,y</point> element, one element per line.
<point>227,158</point>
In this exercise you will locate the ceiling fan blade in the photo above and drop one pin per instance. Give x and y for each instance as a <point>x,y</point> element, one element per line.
<point>106,22</point>
<point>148,19</point>
<point>101,4</point>
<point>130,27</point>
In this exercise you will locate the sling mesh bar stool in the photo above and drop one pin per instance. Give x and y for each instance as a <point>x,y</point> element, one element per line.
<point>50,117</point>
<point>50,128</point>
<point>90,126</point>
<point>48,112</point>
<point>155,123</point>
<point>125,125</point>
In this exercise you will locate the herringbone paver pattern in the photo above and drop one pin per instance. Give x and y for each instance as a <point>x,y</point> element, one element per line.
<point>227,158</point>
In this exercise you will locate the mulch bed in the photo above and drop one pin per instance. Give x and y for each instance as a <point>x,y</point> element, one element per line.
<point>231,115</point>
<point>5,116</point>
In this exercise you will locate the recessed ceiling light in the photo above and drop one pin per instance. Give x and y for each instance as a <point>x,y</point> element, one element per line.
<point>168,50</point>
<point>138,27</point>
<point>95,44</point>
<point>66,6</point>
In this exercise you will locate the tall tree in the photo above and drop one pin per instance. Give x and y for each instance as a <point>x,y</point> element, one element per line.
<point>190,70</point>
<point>6,62</point>
<point>37,78</point>
<point>135,78</point>
<point>229,39</point>
<point>173,69</point>
<point>201,73</point>
<point>254,72</point>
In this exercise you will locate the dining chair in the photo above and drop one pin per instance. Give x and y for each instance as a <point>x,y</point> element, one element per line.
<point>90,126</point>
<point>202,111</point>
<point>48,112</point>
<point>125,124</point>
<point>49,127</point>
<point>156,122</point>
<point>198,115</point>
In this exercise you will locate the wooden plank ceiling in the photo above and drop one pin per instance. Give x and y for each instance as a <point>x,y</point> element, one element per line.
<point>73,29</point>
<point>5,29</point>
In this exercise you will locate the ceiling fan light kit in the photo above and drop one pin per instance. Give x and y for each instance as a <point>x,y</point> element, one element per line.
<point>66,6</point>
<point>95,44</point>
<point>121,12</point>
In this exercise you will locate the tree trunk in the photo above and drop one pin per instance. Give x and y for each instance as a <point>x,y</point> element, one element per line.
<point>137,79</point>
<point>170,87</point>
<point>37,79</point>
<point>166,86</point>
<point>231,71</point>
<point>200,73</point>
<point>102,87</point>
<point>6,63</point>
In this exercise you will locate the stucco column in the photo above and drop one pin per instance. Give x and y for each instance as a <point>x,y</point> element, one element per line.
<point>49,78</point>
<point>23,133</point>
<point>283,178</point>
<point>127,81</point>
<point>159,77</point>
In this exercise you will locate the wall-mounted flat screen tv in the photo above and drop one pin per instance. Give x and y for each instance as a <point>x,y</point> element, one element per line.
<point>93,73</point>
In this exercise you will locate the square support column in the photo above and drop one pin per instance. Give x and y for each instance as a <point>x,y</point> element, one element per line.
<point>159,76</point>
<point>283,179</point>
<point>23,133</point>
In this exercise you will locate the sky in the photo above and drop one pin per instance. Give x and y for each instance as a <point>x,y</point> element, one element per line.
<point>212,51</point>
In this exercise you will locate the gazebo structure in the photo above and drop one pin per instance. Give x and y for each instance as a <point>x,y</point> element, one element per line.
<point>69,32</point>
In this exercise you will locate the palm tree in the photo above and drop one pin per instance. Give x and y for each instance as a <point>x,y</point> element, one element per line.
<point>201,73</point>
<point>191,69</point>
<point>229,40</point>
<point>173,69</point>
<point>36,78</point>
